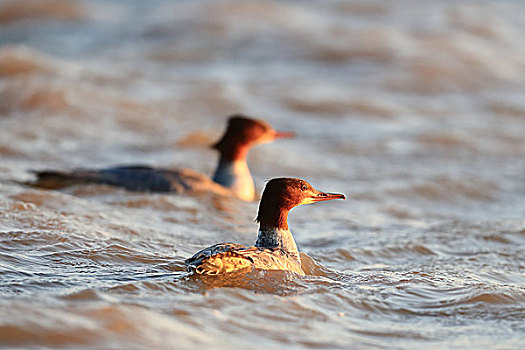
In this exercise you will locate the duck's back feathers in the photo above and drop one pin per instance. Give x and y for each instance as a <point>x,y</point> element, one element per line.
<point>219,258</point>
<point>134,178</point>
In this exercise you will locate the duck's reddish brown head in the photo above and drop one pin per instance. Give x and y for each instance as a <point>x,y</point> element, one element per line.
<point>281,195</point>
<point>242,133</point>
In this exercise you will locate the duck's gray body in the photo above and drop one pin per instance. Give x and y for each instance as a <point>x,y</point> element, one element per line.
<point>133,178</point>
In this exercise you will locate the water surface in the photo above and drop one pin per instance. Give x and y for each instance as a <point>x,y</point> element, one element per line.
<point>414,110</point>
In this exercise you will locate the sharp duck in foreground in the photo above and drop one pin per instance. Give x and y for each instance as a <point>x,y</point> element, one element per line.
<point>232,173</point>
<point>275,248</point>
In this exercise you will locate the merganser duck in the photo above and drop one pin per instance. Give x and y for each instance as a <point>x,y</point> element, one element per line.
<point>275,248</point>
<point>231,175</point>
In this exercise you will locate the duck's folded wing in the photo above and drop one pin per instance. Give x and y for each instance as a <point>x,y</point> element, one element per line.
<point>220,258</point>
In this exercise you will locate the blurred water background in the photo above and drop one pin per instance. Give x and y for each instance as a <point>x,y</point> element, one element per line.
<point>414,109</point>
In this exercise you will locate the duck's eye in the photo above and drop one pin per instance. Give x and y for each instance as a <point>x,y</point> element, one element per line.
<point>303,187</point>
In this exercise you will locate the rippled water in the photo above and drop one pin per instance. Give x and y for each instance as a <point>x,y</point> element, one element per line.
<point>413,109</point>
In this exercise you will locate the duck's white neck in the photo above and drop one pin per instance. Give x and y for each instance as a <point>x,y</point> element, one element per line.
<point>276,238</point>
<point>235,175</point>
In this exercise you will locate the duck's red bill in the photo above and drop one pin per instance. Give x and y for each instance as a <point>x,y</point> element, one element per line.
<point>284,134</point>
<point>323,196</point>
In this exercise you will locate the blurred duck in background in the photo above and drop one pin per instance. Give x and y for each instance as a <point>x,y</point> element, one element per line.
<point>232,174</point>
